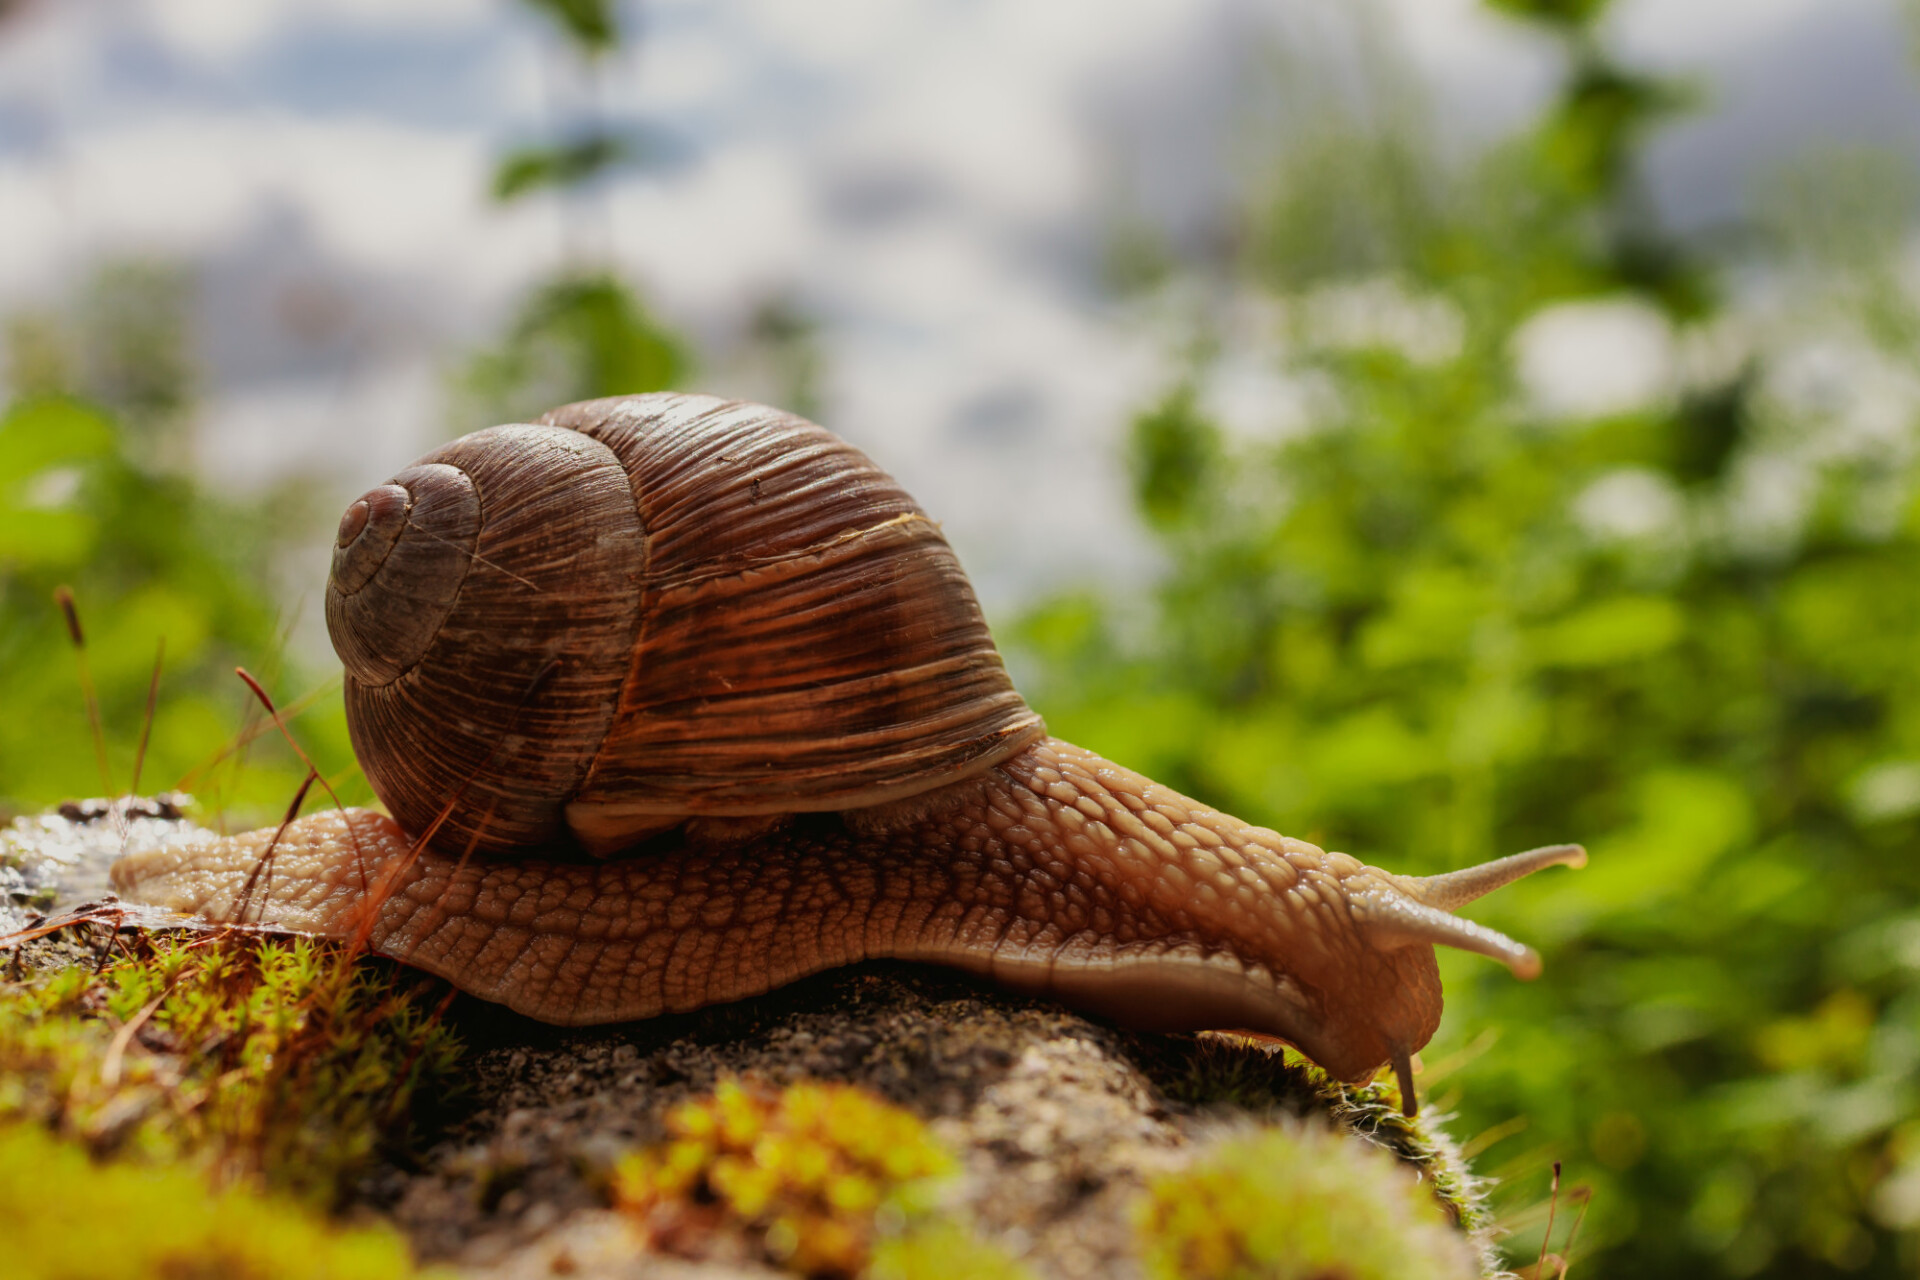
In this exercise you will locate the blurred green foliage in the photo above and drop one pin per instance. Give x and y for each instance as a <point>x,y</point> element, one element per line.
<point>576,337</point>
<point>94,495</point>
<point>1432,621</point>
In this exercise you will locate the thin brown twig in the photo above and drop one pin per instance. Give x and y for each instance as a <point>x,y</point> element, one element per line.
<point>140,751</point>
<point>249,732</point>
<point>110,1065</point>
<point>476,557</point>
<point>1553,1204</point>
<point>439,912</point>
<point>63,596</point>
<point>359,857</point>
<point>265,861</point>
<point>106,949</point>
<point>1586,1199</point>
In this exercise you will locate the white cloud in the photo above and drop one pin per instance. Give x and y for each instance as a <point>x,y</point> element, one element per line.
<point>342,436</point>
<point>838,37</point>
<point>1487,70</point>
<point>34,255</point>
<point>719,236</point>
<point>385,197</point>
<point>1668,34</point>
<point>223,32</point>
<point>213,31</point>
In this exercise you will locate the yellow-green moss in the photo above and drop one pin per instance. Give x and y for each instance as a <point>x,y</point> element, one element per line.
<point>1297,1203</point>
<point>1214,1069</point>
<point>941,1250</point>
<point>809,1176</point>
<point>64,1217</point>
<point>276,1063</point>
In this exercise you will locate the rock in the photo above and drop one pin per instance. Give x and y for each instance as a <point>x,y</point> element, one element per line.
<point>1059,1123</point>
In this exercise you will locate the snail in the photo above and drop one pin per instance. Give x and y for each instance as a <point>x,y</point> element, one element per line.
<point>673,700</point>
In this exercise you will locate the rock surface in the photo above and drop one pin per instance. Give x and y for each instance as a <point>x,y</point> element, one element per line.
<point>1059,1122</point>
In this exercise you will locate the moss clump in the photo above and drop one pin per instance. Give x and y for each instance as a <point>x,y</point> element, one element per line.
<point>266,1062</point>
<point>941,1250</point>
<point>1297,1203</point>
<point>63,1217</point>
<point>806,1176</point>
<point>1217,1069</point>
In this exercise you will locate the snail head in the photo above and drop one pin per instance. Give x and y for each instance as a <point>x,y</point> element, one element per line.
<point>1388,1001</point>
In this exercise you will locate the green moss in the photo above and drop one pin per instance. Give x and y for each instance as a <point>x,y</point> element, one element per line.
<point>941,1250</point>
<point>811,1176</point>
<point>277,1063</point>
<point>1297,1201</point>
<point>64,1217</point>
<point>1213,1070</point>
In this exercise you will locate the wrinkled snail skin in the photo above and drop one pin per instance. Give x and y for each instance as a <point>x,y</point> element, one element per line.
<point>715,644</point>
<point>1056,873</point>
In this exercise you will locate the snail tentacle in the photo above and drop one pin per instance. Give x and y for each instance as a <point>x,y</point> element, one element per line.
<point>1457,888</point>
<point>1391,920</point>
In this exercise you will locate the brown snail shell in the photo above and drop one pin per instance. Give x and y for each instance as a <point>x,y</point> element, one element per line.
<point>647,608</point>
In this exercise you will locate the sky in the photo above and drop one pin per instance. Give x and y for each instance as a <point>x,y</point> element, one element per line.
<point>931,181</point>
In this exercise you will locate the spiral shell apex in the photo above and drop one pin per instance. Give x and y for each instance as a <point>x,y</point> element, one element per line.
<point>652,607</point>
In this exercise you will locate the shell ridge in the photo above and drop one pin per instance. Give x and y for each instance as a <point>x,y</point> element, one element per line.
<point>801,611</point>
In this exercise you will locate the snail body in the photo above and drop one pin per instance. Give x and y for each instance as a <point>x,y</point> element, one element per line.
<point>717,641</point>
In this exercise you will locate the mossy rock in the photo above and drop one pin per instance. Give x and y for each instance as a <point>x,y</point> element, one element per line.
<point>1057,1129</point>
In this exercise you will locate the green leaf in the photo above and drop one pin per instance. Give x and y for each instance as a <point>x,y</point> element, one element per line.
<point>1606,632</point>
<point>588,23</point>
<point>1172,450</point>
<point>562,165</point>
<point>41,433</point>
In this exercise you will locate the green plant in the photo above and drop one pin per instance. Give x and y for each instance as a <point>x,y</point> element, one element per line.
<point>151,558</point>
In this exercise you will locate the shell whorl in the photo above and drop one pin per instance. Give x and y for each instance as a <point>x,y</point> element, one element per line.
<point>398,564</point>
<point>651,607</point>
<point>484,608</point>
